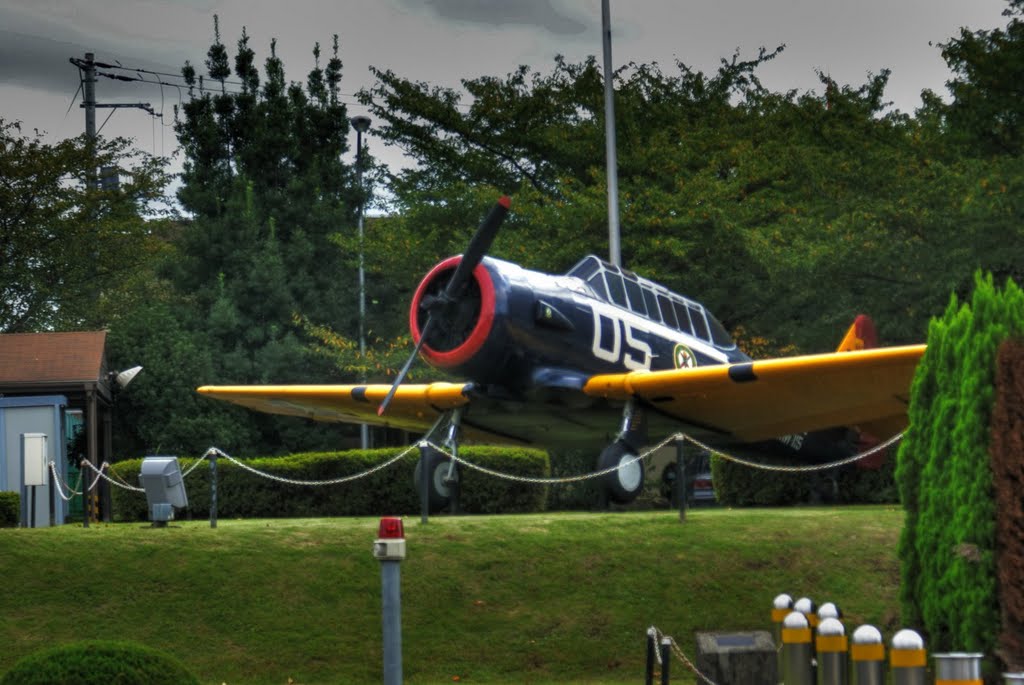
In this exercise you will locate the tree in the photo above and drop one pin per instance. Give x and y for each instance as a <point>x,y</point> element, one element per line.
<point>70,252</point>
<point>265,189</point>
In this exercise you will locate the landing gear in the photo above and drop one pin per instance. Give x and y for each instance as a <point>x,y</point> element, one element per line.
<point>440,473</point>
<point>626,482</point>
<point>439,484</point>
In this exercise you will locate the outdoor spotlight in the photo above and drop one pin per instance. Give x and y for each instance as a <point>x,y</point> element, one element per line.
<point>165,488</point>
<point>126,376</point>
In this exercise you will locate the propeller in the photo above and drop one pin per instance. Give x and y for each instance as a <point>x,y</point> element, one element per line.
<point>471,258</point>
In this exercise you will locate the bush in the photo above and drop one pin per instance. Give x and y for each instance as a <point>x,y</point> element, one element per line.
<point>10,506</point>
<point>99,663</point>
<point>241,494</point>
<point>948,550</point>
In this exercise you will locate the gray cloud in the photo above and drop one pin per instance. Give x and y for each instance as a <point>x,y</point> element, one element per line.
<point>544,14</point>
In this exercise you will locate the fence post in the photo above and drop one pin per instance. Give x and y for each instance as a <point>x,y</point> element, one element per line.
<point>832,648</point>
<point>389,550</point>
<point>796,650</point>
<point>652,637</point>
<point>907,658</point>
<point>961,668</point>
<point>666,645</point>
<point>868,656</point>
<point>213,489</point>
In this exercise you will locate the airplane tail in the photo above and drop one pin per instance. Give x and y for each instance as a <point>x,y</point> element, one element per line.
<point>860,336</point>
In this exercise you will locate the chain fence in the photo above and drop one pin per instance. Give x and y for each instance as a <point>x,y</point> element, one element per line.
<point>62,486</point>
<point>678,652</point>
<point>532,480</point>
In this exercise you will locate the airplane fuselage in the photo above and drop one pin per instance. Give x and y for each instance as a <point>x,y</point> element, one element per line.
<point>526,329</point>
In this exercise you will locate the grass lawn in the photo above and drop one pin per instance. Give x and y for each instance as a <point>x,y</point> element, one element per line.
<point>545,598</point>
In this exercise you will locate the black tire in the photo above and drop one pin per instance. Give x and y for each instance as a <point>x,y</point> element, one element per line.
<point>625,483</point>
<point>438,493</point>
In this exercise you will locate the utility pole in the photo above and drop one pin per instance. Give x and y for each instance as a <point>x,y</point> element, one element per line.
<point>614,243</point>
<point>361,124</point>
<point>88,67</point>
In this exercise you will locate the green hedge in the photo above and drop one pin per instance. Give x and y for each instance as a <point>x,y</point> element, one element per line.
<point>99,663</point>
<point>241,494</point>
<point>737,485</point>
<point>10,505</point>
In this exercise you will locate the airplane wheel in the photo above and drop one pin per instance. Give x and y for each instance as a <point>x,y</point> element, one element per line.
<point>625,483</point>
<point>438,492</point>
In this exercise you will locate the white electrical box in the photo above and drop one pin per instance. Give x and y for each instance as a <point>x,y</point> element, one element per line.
<point>34,458</point>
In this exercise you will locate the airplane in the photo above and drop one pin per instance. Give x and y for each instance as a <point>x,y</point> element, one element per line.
<point>601,358</point>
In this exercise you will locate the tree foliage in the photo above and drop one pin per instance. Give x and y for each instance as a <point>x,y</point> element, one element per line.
<point>71,252</point>
<point>265,191</point>
<point>947,549</point>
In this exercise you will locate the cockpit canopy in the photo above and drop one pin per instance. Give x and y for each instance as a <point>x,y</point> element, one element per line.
<point>648,299</point>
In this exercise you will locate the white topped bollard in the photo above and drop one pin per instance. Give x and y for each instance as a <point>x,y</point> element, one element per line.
<point>829,610</point>
<point>868,656</point>
<point>832,648</point>
<point>1013,678</point>
<point>781,606</point>
<point>389,549</point>
<point>797,668</point>
<point>958,668</point>
<point>809,609</point>
<point>907,658</point>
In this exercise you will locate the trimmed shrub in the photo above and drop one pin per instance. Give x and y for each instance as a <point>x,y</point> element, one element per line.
<point>241,494</point>
<point>743,486</point>
<point>99,663</point>
<point>947,548</point>
<point>10,505</point>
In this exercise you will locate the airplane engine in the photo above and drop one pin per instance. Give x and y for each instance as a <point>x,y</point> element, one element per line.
<point>465,336</point>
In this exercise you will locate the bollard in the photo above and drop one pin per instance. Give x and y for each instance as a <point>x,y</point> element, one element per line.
<point>868,656</point>
<point>389,549</point>
<point>907,659</point>
<point>781,606</point>
<point>829,610</point>
<point>832,646</point>
<point>666,645</point>
<point>213,489</point>
<point>1013,678</point>
<point>806,607</point>
<point>796,650</point>
<point>958,668</point>
<point>652,639</point>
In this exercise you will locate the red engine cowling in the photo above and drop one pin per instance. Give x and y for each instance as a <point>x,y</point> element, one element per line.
<point>461,327</point>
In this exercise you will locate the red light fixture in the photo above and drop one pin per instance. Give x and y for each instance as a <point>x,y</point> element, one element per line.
<point>390,528</point>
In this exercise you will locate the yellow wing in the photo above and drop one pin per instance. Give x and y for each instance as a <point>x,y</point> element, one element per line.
<point>766,399</point>
<point>414,408</point>
<point>744,402</point>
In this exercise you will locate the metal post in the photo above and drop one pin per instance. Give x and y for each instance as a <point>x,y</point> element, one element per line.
<point>652,639</point>
<point>962,668</point>
<point>614,245</point>
<point>868,656</point>
<point>680,484</point>
<point>389,549</point>
<point>424,483</point>
<point>831,644</point>
<point>1013,678</point>
<point>796,650</point>
<point>782,605</point>
<point>666,646</point>
<point>908,659</point>
<point>213,489</point>
<point>361,124</point>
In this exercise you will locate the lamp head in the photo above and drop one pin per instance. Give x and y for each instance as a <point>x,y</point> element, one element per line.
<point>360,123</point>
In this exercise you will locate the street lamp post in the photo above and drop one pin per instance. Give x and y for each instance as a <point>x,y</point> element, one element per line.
<point>361,124</point>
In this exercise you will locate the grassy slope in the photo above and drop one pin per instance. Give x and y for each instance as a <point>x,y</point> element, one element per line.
<point>534,598</point>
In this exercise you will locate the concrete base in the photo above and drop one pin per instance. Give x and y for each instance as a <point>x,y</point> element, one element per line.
<point>743,658</point>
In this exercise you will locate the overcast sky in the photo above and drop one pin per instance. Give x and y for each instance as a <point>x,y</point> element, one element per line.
<point>442,41</point>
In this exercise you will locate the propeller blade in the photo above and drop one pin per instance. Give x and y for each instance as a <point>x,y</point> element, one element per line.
<point>405,368</point>
<point>478,247</point>
<point>474,254</point>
